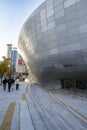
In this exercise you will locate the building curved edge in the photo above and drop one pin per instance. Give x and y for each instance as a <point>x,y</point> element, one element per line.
<point>53,41</point>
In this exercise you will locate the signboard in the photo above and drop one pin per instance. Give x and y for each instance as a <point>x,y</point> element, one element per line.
<point>19,62</point>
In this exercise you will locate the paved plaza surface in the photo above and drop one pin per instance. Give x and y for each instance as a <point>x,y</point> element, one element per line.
<point>11,97</point>
<point>35,108</point>
<point>75,98</point>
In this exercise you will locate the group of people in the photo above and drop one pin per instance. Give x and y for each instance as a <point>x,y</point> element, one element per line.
<point>10,81</point>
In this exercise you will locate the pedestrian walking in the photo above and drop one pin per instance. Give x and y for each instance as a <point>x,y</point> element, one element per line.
<point>4,83</point>
<point>17,83</point>
<point>13,81</point>
<point>9,84</point>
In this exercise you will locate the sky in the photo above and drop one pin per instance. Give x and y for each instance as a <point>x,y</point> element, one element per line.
<point>13,14</point>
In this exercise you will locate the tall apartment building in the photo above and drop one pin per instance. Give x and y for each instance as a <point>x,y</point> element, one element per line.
<point>14,58</point>
<point>9,50</point>
<point>17,63</point>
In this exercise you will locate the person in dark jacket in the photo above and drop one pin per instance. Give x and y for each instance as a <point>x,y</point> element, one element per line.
<point>9,84</point>
<point>4,83</point>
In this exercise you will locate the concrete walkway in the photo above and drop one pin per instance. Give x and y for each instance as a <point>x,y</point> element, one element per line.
<point>33,108</point>
<point>6,99</point>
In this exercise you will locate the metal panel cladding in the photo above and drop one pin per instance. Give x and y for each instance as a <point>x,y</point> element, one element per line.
<point>53,41</point>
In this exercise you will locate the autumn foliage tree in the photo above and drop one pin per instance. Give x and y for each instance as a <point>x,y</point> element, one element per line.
<point>5,69</point>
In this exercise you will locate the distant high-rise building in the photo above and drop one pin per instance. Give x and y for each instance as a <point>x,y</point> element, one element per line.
<point>14,58</point>
<point>16,63</point>
<point>9,50</point>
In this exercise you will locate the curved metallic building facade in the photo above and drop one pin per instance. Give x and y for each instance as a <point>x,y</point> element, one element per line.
<point>53,41</point>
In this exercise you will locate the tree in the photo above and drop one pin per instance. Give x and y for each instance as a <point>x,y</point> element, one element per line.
<point>5,68</point>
